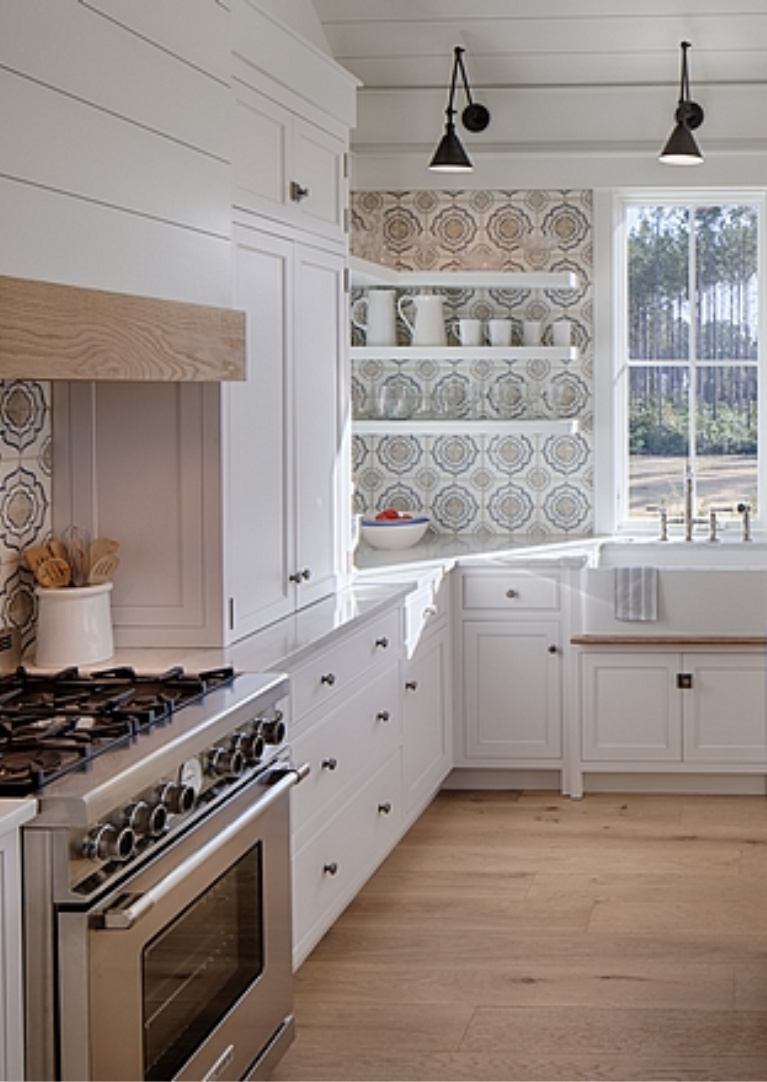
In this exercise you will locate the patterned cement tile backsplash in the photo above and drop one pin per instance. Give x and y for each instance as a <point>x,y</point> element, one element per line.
<point>25,498</point>
<point>531,482</point>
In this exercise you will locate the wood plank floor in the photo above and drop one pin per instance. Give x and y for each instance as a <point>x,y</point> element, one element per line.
<point>527,936</point>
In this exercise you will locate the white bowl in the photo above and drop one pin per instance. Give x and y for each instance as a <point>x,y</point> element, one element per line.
<point>394,533</point>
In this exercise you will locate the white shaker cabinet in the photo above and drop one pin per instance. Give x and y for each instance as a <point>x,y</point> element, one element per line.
<point>512,667</point>
<point>697,709</point>
<point>13,813</point>
<point>427,751</point>
<point>224,497</point>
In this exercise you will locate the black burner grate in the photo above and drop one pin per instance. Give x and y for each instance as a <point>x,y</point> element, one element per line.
<point>53,724</point>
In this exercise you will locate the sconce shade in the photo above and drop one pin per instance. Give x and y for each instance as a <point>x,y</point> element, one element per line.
<point>450,156</point>
<point>681,147</point>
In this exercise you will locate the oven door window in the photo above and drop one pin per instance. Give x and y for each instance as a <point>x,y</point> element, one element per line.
<point>197,968</point>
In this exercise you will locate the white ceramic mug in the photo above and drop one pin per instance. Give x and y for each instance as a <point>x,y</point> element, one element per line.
<point>380,323</point>
<point>468,331</point>
<point>531,332</point>
<point>561,332</point>
<point>499,332</point>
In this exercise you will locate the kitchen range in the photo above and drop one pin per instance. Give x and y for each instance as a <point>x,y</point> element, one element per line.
<point>156,874</point>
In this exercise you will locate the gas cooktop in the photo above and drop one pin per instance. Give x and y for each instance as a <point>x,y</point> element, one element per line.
<point>52,725</point>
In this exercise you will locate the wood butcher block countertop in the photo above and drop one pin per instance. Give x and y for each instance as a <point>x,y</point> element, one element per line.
<point>669,640</point>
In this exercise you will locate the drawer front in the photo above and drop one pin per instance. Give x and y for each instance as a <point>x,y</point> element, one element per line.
<point>345,747</point>
<point>513,591</point>
<point>332,671</point>
<point>332,867</point>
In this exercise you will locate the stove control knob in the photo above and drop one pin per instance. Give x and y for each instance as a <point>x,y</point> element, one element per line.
<point>273,730</point>
<point>226,762</point>
<point>176,798</point>
<point>146,820</point>
<point>251,745</point>
<point>108,842</point>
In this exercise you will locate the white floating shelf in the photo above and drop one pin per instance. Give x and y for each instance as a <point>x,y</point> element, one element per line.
<point>365,274</point>
<point>462,353</point>
<point>465,427</point>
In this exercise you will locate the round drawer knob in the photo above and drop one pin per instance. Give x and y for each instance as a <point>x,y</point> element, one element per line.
<point>329,764</point>
<point>512,593</point>
<point>328,679</point>
<point>383,715</point>
<point>553,649</point>
<point>385,808</point>
<point>411,685</point>
<point>331,868</point>
<point>383,642</point>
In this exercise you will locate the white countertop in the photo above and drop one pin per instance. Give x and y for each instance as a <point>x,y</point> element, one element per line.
<point>15,812</point>
<point>449,549</point>
<point>273,649</point>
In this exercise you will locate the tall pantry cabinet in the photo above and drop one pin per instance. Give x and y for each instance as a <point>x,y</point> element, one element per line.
<point>229,500</point>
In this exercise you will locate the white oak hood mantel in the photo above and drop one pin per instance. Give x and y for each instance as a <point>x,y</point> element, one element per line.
<point>52,331</point>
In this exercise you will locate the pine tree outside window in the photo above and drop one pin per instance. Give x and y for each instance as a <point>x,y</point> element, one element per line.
<point>691,340</point>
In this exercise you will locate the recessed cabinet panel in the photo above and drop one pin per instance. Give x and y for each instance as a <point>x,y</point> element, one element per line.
<point>257,479</point>
<point>631,708</point>
<point>512,691</point>
<point>725,714</point>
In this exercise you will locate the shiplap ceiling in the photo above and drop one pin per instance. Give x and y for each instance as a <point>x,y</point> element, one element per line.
<point>566,81</point>
<point>548,43</point>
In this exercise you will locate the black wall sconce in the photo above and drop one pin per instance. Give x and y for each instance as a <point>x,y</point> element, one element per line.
<point>450,156</point>
<point>681,148</point>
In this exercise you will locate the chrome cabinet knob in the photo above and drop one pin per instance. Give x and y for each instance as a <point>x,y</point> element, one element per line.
<point>385,808</point>
<point>329,764</point>
<point>383,716</point>
<point>328,679</point>
<point>383,642</point>
<point>411,685</point>
<point>297,192</point>
<point>331,868</point>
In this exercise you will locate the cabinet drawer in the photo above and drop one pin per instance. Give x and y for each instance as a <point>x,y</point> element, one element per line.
<point>332,867</point>
<point>513,591</point>
<point>344,747</point>
<point>332,671</point>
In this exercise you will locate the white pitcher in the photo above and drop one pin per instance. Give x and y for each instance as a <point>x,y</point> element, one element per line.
<point>428,326</point>
<point>380,323</point>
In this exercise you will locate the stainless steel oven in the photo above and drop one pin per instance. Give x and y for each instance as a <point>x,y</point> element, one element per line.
<point>158,900</point>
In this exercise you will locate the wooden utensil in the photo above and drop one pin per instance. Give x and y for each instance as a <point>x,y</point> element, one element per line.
<point>104,569</point>
<point>102,546</point>
<point>33,557</point>
<point>53,573</point>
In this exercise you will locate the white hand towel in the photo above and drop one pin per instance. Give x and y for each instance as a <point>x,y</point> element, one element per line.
<point>636,593</point>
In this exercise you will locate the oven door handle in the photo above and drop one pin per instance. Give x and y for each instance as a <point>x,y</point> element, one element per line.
<point>120,917</point>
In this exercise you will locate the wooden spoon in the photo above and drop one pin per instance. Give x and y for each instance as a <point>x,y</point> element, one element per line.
<point>103,569</point>
<point>53,573</point>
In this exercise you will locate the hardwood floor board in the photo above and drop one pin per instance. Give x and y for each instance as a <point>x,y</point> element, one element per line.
<point>751,986</point>
<point>527,936</point>
<point>654,1033</point>
<point>492,1067</point>
<point>453,882</point>
<point>594,982</point>
<point>545,887</point>
<point>680,917</point>
<point>488,914</point>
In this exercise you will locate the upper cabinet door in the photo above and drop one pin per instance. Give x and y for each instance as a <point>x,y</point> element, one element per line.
<point>286,167</point>
<point>317,438</point>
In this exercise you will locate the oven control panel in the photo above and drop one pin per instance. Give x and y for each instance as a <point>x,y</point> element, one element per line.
<point>198,781</point>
